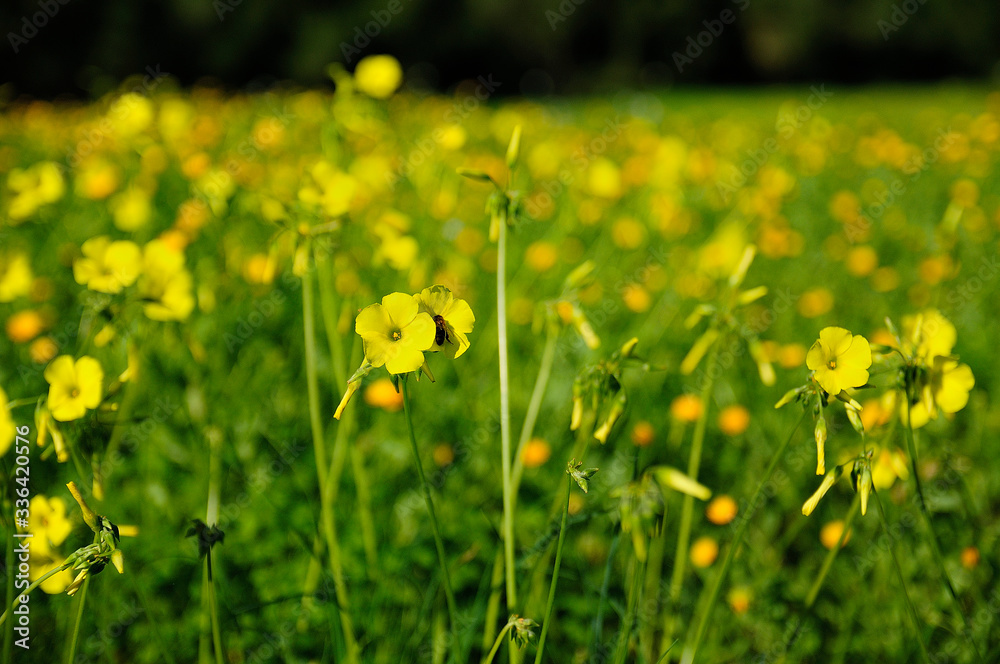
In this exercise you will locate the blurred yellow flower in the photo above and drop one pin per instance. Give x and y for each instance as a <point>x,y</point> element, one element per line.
<point>927,335</point>
<point>887,465</point>
<point>48,524</point>
<point>56,583</point>
<point>721,510</point>
<point>74,387</point>
<point>106,266</point>
<point>34,187</point>
<point>131,113</point>
<point>604,179</point>
<point>396,333</point>
<point>541,256</point>
<point>536,452</point>
<point>42,350</point>
<point>946,388</point>
<point>739,599</point>
<point>7,429</point>
<point>453,320</point>
<point>643,433</point>
<point>131,209</point>
<point>15,276</point>
<point>839,360</point>
<point>704,551</point>
<point>831,532</point>
<point>734,420</point>
<point>24,326</point>
<point>686,408</point>
<point>815,302</point>
<point>165,285</point>
<point>378,76</point>
<point>382,393</point>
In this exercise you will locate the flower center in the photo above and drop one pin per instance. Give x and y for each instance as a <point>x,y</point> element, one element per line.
<point>397,335</point>
<point>833,364</point>
<point>74,393</point>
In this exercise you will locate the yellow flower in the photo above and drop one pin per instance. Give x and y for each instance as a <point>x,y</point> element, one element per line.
<point>396,333</point>
<point>946,388</point>
<point>378,76</point>
<point>453,319</point>
<point>131,209</point>
<point>7,429</point>
<point>165,284</point>
<point>48,524</point>
<point>106,266</point>
<point>839,360</point>
<point>927,335</point>
<point>56,583</point>
<point>73,386</point>
<point>15,277</point>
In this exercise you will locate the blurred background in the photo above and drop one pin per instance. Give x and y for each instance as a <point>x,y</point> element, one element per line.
<point>84,48</point>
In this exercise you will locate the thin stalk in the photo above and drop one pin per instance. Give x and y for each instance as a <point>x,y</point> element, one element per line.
<point>75,639</point>
<point>319,450</point>
<point>633,602</point>
<point>832,553</point>
<point>555,576</point>
<point>823,571</point>
<point>651,594</point>
<point>534,407</point>
<point>213,611</point>
<point>438,543</point>
<point>705,610</point>
<point>37,582</point>
<point>911,444</point>
<point>912,612</point>
<point>508,498</point>
<point>493,604</point>
<point>496,644</point>
<point>694,463</point>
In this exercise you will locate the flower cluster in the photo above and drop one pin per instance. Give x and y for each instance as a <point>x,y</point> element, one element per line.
<point>164,285</point>
<point>933,381</point>
<point>398,331</point>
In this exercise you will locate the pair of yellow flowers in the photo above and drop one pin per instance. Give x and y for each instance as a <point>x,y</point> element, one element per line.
<point>397,332</point>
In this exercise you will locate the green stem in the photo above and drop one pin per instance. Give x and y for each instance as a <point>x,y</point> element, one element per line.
<point>37,582</point>
<point>705,610</point>
<point>911,444</point>
<point>832,553</point>
<point>75,639</point>
<point>534,407</point>
<point>633,601</point>
<point>555,576</point>
<point>213,611</point>
<point>493,604</point>
<point>319,450</point>
<point>508,500</point>
<point>496,644</point>
<point>438,543</point>
<point>823,571</point>
<point>694,463</point>
<point>912,612</point>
